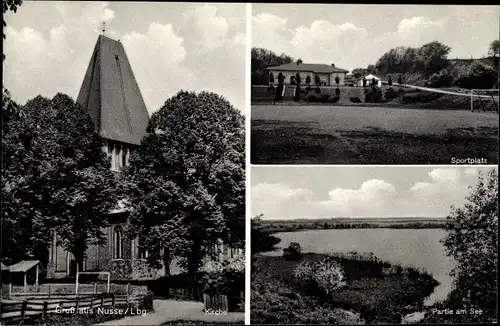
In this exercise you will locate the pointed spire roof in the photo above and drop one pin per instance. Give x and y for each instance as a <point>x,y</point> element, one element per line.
<point>111,96</point>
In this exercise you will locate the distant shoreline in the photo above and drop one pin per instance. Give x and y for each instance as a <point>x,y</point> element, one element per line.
<point>275,226</point>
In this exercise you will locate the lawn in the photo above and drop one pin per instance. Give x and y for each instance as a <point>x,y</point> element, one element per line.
<point>375,293</point>
<point>325,134</point>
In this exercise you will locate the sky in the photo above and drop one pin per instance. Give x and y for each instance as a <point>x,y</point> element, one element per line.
<point>281,192</point>
<point>171,46</point>
<point>354,36</point>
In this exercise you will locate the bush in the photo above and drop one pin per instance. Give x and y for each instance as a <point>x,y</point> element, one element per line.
<point>441,79</point>
<point>337,91</point>
<point>323,98</point>
<point>146,301</point>
<point>355,99</point>
<point>326,274</point>
<point>391,94</point>
<point>318,90</point>
<point>293,252</point>
<point>373,95</point>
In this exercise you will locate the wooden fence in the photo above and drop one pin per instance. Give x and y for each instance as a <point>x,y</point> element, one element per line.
<point>218,301</point>
<point>13,309</point>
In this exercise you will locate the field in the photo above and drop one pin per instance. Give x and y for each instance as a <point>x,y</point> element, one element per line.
<point>337,134</point>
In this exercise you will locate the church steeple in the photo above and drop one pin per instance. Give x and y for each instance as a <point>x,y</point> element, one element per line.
<point>111,95</point>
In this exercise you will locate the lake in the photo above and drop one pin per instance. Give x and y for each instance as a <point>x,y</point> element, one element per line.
<point>409,247</point>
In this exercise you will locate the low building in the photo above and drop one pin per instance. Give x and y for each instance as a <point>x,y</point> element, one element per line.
<point>327,73</point>
<point>369,79</point>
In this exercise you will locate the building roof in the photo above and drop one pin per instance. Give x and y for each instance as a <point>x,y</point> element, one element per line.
<point>313,67</point>
<point>23,266</point>
<point>370,76</point>
<point>111,95</point>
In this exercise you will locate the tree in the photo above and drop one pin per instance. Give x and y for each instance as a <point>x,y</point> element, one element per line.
<point>389,81</point>
<point>262,59</point>
<point>317,81</point>
<point>299,61</point>
<point>9,5</point>
<point>308,80</point>
<point>359,72</point>
<point>298,79</point>
<point>364,82</point>
<point>494,48</point>
<point>337,80</point>
<point>374,81</point>
<point>187,180</point>
<point>271,77</point>
<point>472,241</point>
<point>433,57</point>
<point>371,69</point>
<point>56,177</point>
<point>400,80</point>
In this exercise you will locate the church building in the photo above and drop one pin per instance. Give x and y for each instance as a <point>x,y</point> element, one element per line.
<point>111,96</point>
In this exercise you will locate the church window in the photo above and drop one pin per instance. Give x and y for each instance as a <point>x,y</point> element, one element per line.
<point>117,241</point>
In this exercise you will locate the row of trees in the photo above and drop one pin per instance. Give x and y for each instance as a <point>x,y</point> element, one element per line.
<point>262,59</point>
<point>429,65</point>
<point>184,185</point>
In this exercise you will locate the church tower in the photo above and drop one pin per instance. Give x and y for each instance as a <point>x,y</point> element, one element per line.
<point>111,96</point>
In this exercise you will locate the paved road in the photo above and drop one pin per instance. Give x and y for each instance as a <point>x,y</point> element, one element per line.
<point>421,121</point>
<point>172,310</point>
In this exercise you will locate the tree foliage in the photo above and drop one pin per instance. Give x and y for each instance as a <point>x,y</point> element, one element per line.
<point>262,59</point>
<point>187,179</point>
<point>9,5</point>
<point>54,176</point>
<point>494,49</point>
<point>473,242</point>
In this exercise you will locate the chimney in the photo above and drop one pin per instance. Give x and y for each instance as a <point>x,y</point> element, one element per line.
<point>333,65</point>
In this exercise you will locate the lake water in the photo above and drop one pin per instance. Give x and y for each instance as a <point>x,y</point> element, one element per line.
<point>409,247</point>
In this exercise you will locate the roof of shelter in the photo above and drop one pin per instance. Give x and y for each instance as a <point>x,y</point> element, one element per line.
<point>313,67</point>
<point>111,95</point>
<point>23,266</point>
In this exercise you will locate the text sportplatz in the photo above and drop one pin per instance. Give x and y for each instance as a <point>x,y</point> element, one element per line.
<point>447,311</point>
<point>102,311</point>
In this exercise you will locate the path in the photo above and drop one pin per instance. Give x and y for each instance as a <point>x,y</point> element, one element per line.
<point>171,310</point>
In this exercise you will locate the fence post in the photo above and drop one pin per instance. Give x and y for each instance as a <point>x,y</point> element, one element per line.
<point>128,285</point>
<point>77,303</point>
<point>91,302</point>
<point>113,299</point>
<point>49,289</point>
<point>23,310</point>
<point>102,300</point>
<point>45,305</point>
<point>95,287</point>
<point>10,290</point>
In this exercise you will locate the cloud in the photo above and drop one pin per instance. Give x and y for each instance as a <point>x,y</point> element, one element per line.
<point>326,42</point>
<point>203,50</point>
<point>373,198</point>
<point>212,28</point>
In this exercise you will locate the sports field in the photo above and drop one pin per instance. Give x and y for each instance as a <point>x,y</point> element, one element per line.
<point>325,134</point>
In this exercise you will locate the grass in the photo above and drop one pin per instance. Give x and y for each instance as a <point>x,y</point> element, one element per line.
<point>376,135</point>
<point>373,294</point>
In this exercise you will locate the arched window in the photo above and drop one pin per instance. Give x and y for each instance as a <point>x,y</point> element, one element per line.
<point>117,242</point>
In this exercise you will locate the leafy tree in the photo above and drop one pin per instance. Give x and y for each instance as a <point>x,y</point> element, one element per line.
<point>494,49</point>
<point>262,59</point>
<point>337,80</point>
<point>299,61</point>
<point>298,79</point>
<point>371,69</point>
<point>359,72</point>
<point>472,241</point>
<point>433,57</point>
<point>317,81</point>
<point>187,179</point>
<point>55,176</point>
<point>9,5</point>
<point>364,82</point>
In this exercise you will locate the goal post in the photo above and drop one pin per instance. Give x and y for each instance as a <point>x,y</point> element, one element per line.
<point>107,274</point>
<point>483,97</point>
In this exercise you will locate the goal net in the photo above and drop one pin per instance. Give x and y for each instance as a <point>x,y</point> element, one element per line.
<point>92,282</point>
<point>484,100</point>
